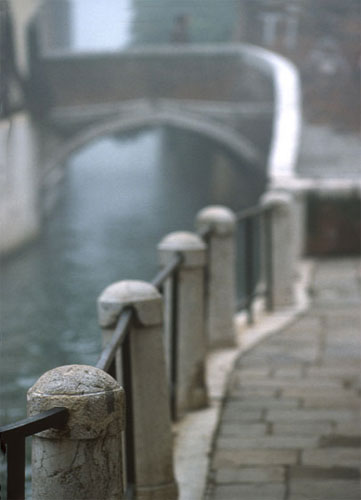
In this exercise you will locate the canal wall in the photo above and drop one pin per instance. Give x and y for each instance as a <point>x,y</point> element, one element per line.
<point>24,143</point>
<point>19,212</point>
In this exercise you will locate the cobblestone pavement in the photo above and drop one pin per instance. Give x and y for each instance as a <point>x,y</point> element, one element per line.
<point>325,153</point>
<point>290,425</point>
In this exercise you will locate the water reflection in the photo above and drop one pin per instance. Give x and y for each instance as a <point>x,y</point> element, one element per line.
<point>119,198</point>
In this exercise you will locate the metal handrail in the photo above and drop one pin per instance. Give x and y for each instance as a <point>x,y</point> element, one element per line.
<point>248,217</point>
<point>260,291</point>
<point>106,362</point>
<point>13,435</point>
<point>250,212</point>
<point>121,339</point>
<point>168,270</point>
<point>12,439</point>
<point>204,231</point>
<point>55,417</point>
<point>107,356</point>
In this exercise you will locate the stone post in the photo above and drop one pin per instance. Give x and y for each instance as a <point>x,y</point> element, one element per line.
<point>282,246</point>
<point>221,286</point>
<point>84,460</point>
<point>191,392</point>
<point>154,478</point>
<point>299,223</point>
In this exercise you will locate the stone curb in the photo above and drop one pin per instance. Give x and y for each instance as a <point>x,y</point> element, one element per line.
<point>194,434</point>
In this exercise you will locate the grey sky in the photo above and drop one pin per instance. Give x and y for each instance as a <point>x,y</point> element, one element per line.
<point>96,28</point>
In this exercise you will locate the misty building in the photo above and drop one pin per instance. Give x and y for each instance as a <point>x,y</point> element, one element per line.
<point>55,25</point>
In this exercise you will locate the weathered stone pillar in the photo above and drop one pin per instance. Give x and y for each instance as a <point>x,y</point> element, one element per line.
<point>191,392</point>
<point>299,214</point>
<point>281,246</point>
<point>84,460</point>
<point>154,476</point>
<point>221,289</point>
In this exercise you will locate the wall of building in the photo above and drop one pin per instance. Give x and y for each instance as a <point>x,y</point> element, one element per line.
<point>22,12</point>
<point>19,214</point>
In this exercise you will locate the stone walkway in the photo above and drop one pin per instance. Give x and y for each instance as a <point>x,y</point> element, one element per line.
<point>326,153</point>
<point>290,425</point>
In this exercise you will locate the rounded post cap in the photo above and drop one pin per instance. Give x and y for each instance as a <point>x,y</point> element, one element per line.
<point>94,399</point>
<point>189,244</point>
<point>279,200</point>
<point>143,296</point>
<point>221,220</point>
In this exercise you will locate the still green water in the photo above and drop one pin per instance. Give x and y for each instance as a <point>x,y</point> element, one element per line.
<point>120,196</point>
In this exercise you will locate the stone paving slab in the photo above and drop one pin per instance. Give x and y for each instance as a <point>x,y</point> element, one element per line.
<point>328,490</point>
<point>249,491</point>
<point>251,475</point>
<point>331,457</point>
<point>298,393</point>
<point>340,159</point>
<point>254,456</point>
<point>243,429</point>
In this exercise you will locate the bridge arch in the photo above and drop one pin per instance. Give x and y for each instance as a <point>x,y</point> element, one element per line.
<point>226,137</point>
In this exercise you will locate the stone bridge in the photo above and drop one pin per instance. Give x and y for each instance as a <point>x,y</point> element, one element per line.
<point>243,98</point>
<point>226,93</point>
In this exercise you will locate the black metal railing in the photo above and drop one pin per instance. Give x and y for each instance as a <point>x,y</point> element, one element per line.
<point>121,341</point>
<point>117,353</point>
<point>165,273</point>
<point>204,232</point>
<point>13,438</point>
<point>13,435</point>
<point>170,273</point>
<point>256,222</point>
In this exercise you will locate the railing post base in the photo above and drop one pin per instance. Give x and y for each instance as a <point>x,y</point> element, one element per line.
<point>84,459</point>
<point>282,245</point>
<point>153,456</point>
<point>221,289</point>
<point>190,342</point>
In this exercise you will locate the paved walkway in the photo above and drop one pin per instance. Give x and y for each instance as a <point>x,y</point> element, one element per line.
<point>290,425</point>
<point>326,153</point>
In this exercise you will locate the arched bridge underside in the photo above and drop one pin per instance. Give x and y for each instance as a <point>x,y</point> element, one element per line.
<point>155,115</point>
<point>243,98</point>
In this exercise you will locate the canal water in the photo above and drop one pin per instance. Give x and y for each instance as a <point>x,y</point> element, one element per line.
<point>120,196</point>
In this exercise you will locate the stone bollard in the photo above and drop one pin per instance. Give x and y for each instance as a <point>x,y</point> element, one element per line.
<point>84,460</point>
<point>282,247</point>
<point>221,287</point>
<point>190,391</point>
<point>153,458</point>
<point>299,217</point>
